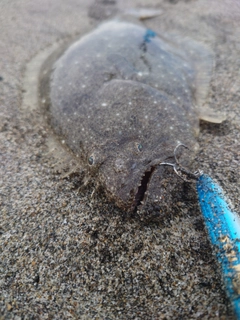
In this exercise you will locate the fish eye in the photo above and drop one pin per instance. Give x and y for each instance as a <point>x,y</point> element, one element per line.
<point>91,160</point>
<point>140,147</point>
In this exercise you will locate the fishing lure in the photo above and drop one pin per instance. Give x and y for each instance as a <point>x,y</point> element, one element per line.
<point>223,226</point>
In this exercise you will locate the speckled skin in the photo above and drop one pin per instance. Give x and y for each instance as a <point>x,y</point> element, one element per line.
<point>123,100</point>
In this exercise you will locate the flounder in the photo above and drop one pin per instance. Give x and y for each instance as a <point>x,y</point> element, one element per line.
<point>123,97</point>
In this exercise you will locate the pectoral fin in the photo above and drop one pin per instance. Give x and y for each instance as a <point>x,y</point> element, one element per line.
<point>210,115</point>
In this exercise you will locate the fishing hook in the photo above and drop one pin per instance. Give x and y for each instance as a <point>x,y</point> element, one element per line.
<point>180,171</point>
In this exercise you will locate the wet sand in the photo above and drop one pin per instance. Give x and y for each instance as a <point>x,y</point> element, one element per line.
<point>68,252</point>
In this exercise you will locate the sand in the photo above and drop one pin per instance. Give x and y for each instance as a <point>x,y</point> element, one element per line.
<point>66,251</point>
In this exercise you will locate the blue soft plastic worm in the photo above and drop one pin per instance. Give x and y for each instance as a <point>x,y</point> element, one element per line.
<point>223,226</point>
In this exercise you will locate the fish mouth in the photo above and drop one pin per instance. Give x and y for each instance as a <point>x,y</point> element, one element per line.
<point>142,188</point>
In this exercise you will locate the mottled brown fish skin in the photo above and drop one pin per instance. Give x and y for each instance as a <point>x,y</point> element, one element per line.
<point>122,105</point>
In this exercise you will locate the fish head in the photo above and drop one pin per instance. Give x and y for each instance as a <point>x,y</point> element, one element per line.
<point>127,163</point>
<point>131,173</point>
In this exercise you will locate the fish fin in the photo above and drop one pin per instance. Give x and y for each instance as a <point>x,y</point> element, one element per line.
<point>210,115</point>
<point>137,16</point>
<point>202,59</point>
<point>143,13</point>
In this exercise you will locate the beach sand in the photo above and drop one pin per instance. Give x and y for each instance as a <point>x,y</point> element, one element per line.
<point>67,252</point>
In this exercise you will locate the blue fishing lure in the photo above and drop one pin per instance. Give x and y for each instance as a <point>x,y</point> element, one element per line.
<point>223,226</point>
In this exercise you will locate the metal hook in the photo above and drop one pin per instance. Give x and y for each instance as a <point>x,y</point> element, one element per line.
<point>179,169</point>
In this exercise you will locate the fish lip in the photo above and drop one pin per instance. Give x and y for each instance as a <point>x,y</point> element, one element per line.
<point>146,177</point>
<point>140,191</point>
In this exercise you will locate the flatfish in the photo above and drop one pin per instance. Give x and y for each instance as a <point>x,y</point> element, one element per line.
<point>123,97</point>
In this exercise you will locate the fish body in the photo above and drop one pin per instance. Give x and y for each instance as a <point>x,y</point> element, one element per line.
<point>123,97</point>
